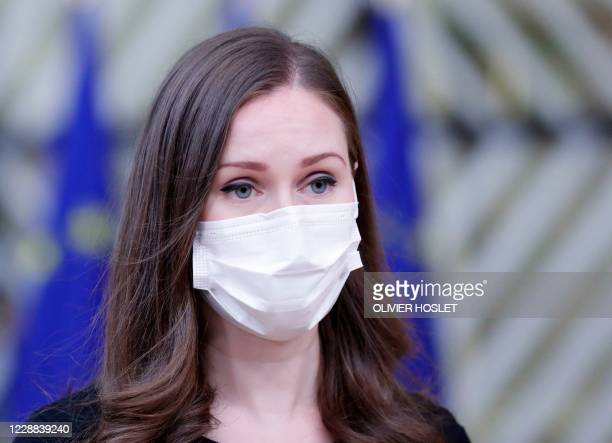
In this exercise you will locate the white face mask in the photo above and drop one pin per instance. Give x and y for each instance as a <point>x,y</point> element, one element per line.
<point>277,274</point>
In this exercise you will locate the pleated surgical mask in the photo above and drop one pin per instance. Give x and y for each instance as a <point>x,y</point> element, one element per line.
<point>277,274</point>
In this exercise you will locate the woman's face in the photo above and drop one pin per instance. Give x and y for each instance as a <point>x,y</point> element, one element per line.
<point>284,148</point>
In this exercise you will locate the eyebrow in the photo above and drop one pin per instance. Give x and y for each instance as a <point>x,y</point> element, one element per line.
<point>257,166</point>
<point>318,157</point>
<point>246,165</point>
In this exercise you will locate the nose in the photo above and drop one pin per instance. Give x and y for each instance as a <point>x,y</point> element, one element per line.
<point>284,197</point>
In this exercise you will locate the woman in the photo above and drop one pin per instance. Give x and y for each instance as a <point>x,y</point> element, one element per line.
<point>234,310</point>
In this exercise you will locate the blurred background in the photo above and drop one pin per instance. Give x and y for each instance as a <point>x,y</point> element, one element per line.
<point>488,127</point>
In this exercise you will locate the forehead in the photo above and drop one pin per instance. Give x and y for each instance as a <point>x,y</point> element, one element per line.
<point>288,121</point>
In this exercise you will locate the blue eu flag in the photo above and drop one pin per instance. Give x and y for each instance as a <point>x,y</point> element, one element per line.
<point>57,347</point>
<point>389,135</point>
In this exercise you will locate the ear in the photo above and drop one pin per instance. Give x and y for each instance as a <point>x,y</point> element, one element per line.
<point>355,166</point>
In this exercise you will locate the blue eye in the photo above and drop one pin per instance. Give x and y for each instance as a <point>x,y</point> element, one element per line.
<point>320,184</point>
<point>240,190</point>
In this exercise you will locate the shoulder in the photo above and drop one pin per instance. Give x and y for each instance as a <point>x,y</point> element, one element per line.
<point>444,419</point>
<point>452,430</point>
<point>81,408</point>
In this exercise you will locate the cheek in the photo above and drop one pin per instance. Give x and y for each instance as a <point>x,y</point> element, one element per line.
<point>219,207</point>
<point>214,209</point>
<point>346,193</point>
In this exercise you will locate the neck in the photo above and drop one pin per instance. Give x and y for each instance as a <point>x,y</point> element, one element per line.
<point>262,376</point>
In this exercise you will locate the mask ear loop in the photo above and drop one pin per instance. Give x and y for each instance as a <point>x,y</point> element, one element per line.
<point>354,187</point>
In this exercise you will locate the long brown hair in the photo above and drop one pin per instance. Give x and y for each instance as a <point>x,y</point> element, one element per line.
<point>152,383</point>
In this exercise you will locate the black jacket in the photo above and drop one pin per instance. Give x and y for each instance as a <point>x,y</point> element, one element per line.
<point>84,417</point>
